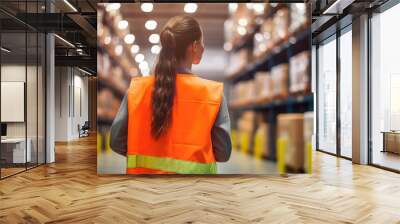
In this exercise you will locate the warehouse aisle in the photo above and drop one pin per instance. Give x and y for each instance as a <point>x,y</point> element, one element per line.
<point>242,163</point>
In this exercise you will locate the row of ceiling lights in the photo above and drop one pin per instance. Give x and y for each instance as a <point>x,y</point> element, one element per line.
<point>188,8</point>
<point>155,38</point>
<point>149,25</point>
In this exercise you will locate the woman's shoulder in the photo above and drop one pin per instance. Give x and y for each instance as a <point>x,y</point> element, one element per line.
<point>208,82</point>
<point>140,80</point>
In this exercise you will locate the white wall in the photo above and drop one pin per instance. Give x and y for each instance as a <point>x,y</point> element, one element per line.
<point>70,83</point>
<point>33,126</point>
<point>12,73</point>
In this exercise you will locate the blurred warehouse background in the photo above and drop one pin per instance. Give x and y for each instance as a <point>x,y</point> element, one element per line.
<point>261,51</point>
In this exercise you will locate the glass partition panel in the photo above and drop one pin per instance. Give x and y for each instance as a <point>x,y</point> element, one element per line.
<point>14,150</point>
<point>385,89</point>
<point>346,93</point>
<point>41,78</point>
<point>31,97</point>
<point>327,96</point>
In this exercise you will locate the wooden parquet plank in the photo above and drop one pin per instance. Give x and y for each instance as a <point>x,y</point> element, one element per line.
<point>70,191</point>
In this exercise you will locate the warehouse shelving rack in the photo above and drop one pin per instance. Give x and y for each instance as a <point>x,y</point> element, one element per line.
<point>282,51</point>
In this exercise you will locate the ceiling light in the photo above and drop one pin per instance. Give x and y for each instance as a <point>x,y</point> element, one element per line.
<point>139,58</point>
<point>78,50</point>
<point>135,49</point>
<point>65,41</point>
<point>154,38</point>
<point>150,24</point>
<point>190,7</point>
<point>146,7</point>
<point>107,40</point>
<point>123,24</point>
<point>143,65</point>
<point>232,7</point>
<point>112,6</point>
<point>258,8</point>
<point>155,49</point>
<point>241,30</point>
<point>70,5</point>
<point>5,49</point>
<point>118,49</point>
<point>242,21</point>
<point>129,38</point>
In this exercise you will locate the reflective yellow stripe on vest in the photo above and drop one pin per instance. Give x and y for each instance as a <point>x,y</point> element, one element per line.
<point>170,165</point>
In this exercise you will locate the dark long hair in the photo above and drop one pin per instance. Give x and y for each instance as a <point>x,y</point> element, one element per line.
<point>175,37</point>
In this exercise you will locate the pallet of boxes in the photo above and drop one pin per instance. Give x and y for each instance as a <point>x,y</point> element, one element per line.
<point>294,153</point>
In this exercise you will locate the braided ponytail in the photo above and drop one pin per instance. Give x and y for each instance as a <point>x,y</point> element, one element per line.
<point>176,36</point>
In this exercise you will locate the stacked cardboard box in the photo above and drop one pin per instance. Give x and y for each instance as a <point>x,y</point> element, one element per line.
<point>244,93</point>
<point>298,16</point>
<point>281,25</point>
<point>290,131</point>
<point>238,60</point>
<point>263,40</point>
<point>280,75</point>
<point>299,73</point>
<point>263,87</point>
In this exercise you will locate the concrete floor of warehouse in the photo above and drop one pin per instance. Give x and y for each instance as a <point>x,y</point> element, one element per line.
<point>239,163</point>
<point>70,191</point>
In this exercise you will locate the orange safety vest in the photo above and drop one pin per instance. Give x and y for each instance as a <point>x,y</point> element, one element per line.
<point>186,147</point>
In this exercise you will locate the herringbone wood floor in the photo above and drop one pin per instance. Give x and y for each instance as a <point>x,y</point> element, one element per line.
<point>70,191</point>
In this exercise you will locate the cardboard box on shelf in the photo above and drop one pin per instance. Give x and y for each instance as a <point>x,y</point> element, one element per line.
<point>263,39</point>
<point>243,20</point>
<point>238,60</point>
<point>298,16</point>
<point>244,92</point>
<point>281,24</point>
<point>279,76</point>
<point>263,87</point>
<point>290,131</point>
<point>299,73</point>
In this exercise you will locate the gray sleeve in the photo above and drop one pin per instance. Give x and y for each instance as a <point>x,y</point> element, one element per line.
<point>119,129</point>
<point>221,134</point>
